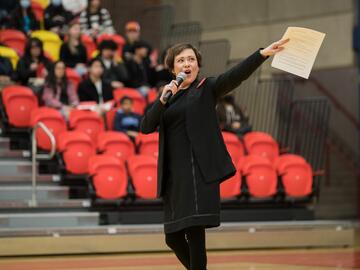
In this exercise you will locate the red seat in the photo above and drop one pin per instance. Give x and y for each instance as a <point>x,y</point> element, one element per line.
<point>139,102</point>
<point>152,95</point>
<point>232,186</point>
<point>262,144</point>
<point>296,175</point>
<point>260,176</point>
<point>108,176</point>
<point>110,117</point>
<point>73,76</point>
<point>19,101</point>
<point>38,10</point>
<point>76,148</point>
<point>119,40</point>
<point>143,172</point>
<point>89,44</point>
<point>148,144</point>
<point>233,145</point>
<point>53,120</point>
<point>116,144</point>
<point>14,39</point>
<point>88,121</point>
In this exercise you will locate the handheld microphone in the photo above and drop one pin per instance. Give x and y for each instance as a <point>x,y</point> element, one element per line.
<point>179,80</point>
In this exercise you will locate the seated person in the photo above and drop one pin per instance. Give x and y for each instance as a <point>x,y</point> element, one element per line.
<point>59,92</point>
<point>6,71</point>
<point>125,120</point>
<point>73,51</point>
<point>56,18</point>
<point>114,71</point>
<point>33,67</point>
<point>141,74</point>
<point>6,7</point>
<point>96,20</point>
<point>94,88</point>
<point>231,118</point>
<point>23,18</point>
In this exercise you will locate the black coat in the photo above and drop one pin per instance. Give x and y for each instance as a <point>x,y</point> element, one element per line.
<point>87,91</point>
<point>202,126</point>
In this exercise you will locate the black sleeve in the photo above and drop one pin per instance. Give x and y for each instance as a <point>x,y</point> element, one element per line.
<point>151,119</point>
<point>232,78</point>
<point>83,93</point>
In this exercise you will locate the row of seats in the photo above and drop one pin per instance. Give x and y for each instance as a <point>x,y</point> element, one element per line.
<point>16,40</point>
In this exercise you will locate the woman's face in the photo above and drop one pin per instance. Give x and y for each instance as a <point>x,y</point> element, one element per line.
<point>95,4</point>
<point>186,62</point>
<point>74,31</point>
<point>35,50</point>
<point>59,70</point>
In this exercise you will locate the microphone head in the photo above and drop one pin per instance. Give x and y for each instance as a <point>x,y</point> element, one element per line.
<point>181,75</point>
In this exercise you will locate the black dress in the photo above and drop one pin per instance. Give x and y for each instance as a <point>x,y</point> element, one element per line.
<point>188,200</point>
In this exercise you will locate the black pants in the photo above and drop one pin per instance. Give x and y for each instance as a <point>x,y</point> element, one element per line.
<point>189,247</point>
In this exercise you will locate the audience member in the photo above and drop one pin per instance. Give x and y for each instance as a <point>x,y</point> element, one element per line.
<point>59,92</point>
<point>23,18</point>
<point>126,120</point>
<point>114,71</point>
<point>96,20</point>
<point>56,18</point>
<point>6,71</point>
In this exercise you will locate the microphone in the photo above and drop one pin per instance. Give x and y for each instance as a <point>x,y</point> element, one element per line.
<point>179,80</point>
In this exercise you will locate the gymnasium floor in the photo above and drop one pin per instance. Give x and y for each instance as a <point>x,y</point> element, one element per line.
<point>289,259</point>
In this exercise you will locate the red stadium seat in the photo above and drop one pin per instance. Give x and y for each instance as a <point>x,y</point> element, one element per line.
<point>19,101</point>
<point>143,172</point>
<point>262,144</point>
<point>89,44</point>
<point>296,175</point>
<point>139,102</point>
<point>110,117</point>
<point>261,177</point>
<point>53,120</point>
<point>148,144</point>
<point>233,145</point>
<point>109,176</point>
<point>14,39</point>
<point>76,147</point>
<point>38,10</point>
<point>73,76</point>
<point>152,95</point>
<point>88,121</point>
<point>232,187</point>
<point>119,40</point>
<point>115,144</point>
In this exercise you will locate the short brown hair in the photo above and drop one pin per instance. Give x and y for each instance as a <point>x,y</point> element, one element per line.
<point>175,50</point>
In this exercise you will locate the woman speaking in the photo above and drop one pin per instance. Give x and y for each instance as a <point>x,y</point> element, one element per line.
<point>193,159</point>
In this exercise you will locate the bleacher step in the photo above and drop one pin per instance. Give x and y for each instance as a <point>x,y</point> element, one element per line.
<point>44,220</point>
<point>12,193</point>
<point>53,205</point>
<point>25,178</point>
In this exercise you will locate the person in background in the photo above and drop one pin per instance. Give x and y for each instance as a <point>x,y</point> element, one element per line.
<point>114,71</point>
<point>6,7</point>
<point>231,117</point>
<point>132,35</point>
<point>94,88</point>
<point>56,18</point>
<point>6,71</point>
<point>96,20</point>
<point>33,67</point>
<point>59,92</point>
<point>23,18</point>
<point>126,120</point>
<point>73,51</point>
<point>141,74</point>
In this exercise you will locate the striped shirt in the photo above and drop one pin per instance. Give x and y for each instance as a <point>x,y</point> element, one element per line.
<point>97,23</point>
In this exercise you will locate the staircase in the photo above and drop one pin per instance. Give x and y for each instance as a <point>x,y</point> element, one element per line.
<point>54,208</point>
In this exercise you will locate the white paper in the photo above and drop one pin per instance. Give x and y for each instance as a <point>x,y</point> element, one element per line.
<point>299,53</point>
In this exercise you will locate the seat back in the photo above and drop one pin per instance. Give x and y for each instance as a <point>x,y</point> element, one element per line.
<point>119,40</point>
<point>143,172</point>
<point>87,121</point>
<point>73,76</point>
<point>139,102</point>
<point>11,54</point>
<point>233,145</point>
<point>51,41</point>
<point>76,148</point>
<point>262,144</point>
<point>115,144</point>
<point>108,176</point>
<point>14,39</point>
<point>148,144</point>
<point>19,101</point>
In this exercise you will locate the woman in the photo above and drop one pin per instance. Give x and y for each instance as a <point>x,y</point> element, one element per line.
<point>96,20</point>
<point>34,65</point>
<point>59,92</point>
<point>193,159</point>
<point>73,51</point>
<point>23,18</point>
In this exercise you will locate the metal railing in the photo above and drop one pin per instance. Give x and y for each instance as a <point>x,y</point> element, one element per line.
<point>35,156</point>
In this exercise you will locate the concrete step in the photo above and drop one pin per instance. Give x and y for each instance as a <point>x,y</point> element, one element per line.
<point>23,193</point>
<point>335,211</point>
<point>15,167</point>
<point>25,178</point>
<point>53,205</point>
<point>45,220</point>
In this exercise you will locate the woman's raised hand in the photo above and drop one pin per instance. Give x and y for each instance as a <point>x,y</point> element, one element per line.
<point>274,48</point>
